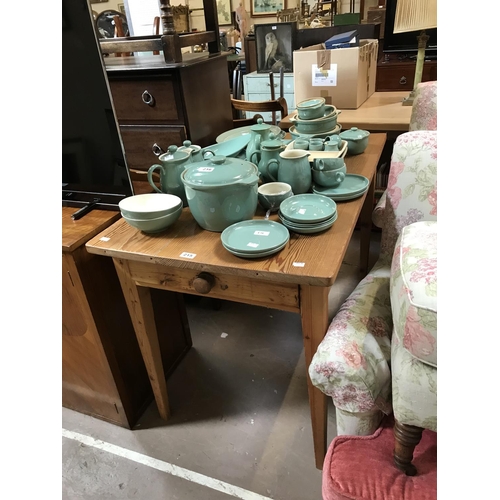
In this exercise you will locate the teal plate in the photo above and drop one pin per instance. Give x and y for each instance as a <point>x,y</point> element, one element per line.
<point>244,131</point>
<point>308,207</point>
<point>299,225</point>
<point>314,228</point>
<point>257,255</point>
<point>254,236</point>
<point>351,187</point>
<point>230,147</point>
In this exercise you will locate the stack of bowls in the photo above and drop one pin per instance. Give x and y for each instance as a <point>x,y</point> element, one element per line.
<point>308,213</point>
<point>151,212</point>
<point>328,172</point>
<point>314,118</point>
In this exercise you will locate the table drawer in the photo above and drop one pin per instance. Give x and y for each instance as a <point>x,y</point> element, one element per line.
<point>146,100</point>
<point>222,286</point>
<point>139,142</point>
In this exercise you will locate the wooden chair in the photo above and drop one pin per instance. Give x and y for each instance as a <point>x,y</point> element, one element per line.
<point>273,105</point>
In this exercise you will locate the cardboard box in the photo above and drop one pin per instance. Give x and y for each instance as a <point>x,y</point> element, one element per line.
<point>344,77</point>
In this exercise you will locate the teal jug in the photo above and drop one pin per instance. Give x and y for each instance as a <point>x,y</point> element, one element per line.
<point>258,133</point>
<point>173,163</point>
<point>269,150</point>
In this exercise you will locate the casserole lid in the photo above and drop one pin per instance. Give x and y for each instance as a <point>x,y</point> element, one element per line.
<point>220,171</point>
<point>354,133</point>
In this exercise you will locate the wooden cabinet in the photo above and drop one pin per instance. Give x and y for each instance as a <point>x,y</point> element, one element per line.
<point>159,104</point>
<point>103,373</point>
<point>257,87</point>
<point>395,74</point>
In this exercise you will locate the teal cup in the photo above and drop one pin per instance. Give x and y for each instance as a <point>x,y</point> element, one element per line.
<point>328,163</point>
<point>332,143</point>
<point>271,194</point>
<point>301,144</point>
<point>316,144</point>
<point>328,178</point>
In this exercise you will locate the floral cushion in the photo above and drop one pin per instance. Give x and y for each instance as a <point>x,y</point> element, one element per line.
<point>414,290</point>
<point>424,109</point>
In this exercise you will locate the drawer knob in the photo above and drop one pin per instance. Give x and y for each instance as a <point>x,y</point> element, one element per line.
<point>402,80</point>
<point>148,99</point>
<point>203,283</point>
<point>157,150</point>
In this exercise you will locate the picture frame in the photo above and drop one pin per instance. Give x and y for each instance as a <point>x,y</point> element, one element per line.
<point>266,8</point>
<point>274,43</point>
<point>224,12</point>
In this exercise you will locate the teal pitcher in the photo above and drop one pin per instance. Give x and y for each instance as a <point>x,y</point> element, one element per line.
<point>269,150</point>
<point>258,133</point>
<point>293,168</point>
<point>173,163</point>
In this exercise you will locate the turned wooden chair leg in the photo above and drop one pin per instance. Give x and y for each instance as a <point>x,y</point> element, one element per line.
<point>407,437</point>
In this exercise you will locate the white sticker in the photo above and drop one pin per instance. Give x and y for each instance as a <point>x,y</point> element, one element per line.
<point>301,211</point>
<point>253,245</point>
<point>261,233</point>
<point>105,238</point>
<point>205,169</point>
<point>299,264</point>
<point>188,255</point>
<point>322,77</point>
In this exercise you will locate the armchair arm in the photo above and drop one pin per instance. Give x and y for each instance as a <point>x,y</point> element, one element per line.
<point>378,211</point>
<point>352,362</point>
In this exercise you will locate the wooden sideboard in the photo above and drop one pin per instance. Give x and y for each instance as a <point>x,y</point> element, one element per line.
<point>397,74</point>
<point>159,104</point>
<point>103,372</point>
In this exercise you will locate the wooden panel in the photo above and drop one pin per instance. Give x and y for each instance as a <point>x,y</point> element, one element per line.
<point>129,104</point>
<point>261,293</point>
<point>138,142</point>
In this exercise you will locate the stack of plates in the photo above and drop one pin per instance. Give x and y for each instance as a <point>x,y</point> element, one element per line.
<point>353,186</point>
<point>251,239</point>
<point>308,213</point>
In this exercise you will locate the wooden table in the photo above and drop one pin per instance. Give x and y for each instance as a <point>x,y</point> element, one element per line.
<point>381,112</point>
<point>185,258</point>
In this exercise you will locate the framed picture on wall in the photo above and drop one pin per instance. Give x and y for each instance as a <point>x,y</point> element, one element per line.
<point>224,12</point>
<point>274,45</point>
<point>260,8</point>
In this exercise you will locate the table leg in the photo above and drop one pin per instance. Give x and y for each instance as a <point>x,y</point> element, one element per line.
<point>314,316</point>
<point>365,223</point>
<point>140,307</point>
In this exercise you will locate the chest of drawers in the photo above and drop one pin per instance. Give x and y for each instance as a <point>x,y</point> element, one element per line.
<point>257,87</point>
<point>395,74</point>
<point>159,104</point>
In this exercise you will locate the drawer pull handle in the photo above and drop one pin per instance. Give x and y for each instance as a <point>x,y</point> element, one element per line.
<point>148,99</point>
<point>203,283</point>
<point>402,80</point>
<point>275,85</point>
<point>157,149</point>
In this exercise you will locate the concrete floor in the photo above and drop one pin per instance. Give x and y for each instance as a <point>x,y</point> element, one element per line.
<point>240,424</point>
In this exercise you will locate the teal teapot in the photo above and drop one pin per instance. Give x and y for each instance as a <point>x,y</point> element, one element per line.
<point>173,163</point>
<point>196,151</point>
<point>258,133</point>
<point>269,149</point>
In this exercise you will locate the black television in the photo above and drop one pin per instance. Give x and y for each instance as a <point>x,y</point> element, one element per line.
<point>405,43</point>
<point>94,168</point>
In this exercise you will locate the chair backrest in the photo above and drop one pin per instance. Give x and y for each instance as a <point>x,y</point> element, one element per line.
<point>411,194</point>
<point>424,108</point>
<point>277,105</point>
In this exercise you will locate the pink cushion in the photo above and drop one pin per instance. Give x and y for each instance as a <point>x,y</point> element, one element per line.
<point>362,468</point>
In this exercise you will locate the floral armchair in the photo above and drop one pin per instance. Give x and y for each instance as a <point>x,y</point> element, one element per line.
<point>414,339</point>
<point>352,363</point>
<point>423,117</point>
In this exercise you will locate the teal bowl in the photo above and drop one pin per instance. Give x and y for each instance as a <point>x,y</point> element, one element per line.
<point>149,205</point>
<point>357,140</point>
<point>327,121</point>
<point>308,109</point>
<point>154,225</point>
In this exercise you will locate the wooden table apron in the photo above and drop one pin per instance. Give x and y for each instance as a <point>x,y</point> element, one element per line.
<point>297,279</point>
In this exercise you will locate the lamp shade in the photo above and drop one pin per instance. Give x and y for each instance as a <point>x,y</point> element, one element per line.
<point>415,15</point>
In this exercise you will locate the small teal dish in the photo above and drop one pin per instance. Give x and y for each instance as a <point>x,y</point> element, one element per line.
<point>309,109</point>
<point>357,140</point>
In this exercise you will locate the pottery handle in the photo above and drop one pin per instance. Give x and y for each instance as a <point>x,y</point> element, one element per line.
<point>152,168</point>
<point>268,170</point>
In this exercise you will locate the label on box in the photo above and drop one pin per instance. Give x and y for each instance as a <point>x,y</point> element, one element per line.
<point>322,77</point>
